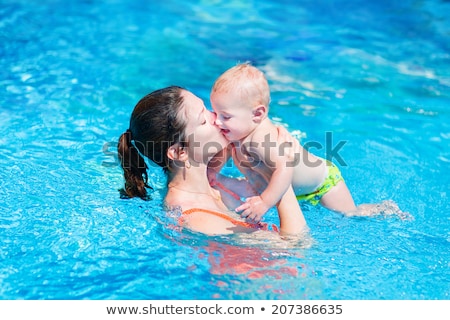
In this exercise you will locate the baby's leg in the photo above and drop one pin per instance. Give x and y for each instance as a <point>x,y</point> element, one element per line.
<point>385,208</point>
<point>338,198</point>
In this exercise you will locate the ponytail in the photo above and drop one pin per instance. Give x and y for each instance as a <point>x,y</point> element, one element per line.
<point>134,168</point>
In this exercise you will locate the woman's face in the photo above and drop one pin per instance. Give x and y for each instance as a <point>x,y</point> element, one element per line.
<point>204,138</point>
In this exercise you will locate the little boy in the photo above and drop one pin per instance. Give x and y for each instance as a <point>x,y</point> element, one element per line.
<point>240,98</point>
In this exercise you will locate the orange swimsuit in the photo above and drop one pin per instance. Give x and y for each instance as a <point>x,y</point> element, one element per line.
<point>260,225</point>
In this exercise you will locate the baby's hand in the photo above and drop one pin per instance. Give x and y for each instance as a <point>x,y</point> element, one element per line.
<point>253,209</point>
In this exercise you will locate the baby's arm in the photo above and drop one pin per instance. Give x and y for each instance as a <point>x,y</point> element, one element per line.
<point>255,207</point>
<point>280,161</point>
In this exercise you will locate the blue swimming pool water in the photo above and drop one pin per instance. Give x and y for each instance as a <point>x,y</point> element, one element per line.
<point>376,75</point>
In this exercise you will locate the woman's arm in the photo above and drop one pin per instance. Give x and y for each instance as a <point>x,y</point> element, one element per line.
<point>232,190</point>
<point>292,221</point>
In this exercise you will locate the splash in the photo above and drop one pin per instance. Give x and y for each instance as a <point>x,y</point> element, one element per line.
<point>387,208</point>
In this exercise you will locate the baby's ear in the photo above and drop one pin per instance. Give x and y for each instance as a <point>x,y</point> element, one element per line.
<point>259,113</point>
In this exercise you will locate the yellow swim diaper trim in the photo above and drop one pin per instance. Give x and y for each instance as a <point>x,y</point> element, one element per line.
<point>334,176</point>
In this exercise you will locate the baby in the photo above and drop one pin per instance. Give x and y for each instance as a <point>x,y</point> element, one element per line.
<point>240,98</point>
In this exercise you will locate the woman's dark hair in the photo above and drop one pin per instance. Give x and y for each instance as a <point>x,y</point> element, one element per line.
<point>154,127</point>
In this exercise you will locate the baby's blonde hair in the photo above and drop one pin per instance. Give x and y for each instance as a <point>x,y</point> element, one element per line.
<point>246,79</point>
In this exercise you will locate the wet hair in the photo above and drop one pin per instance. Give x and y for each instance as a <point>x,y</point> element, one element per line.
<point>155,125</point>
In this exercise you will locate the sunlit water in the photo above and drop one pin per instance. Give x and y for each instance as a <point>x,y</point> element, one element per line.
<point>373,76</point>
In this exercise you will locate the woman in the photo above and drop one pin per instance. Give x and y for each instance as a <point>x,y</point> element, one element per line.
<point>172,127</point>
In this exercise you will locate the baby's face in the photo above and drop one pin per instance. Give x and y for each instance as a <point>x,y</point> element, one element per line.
<point>234,116</point>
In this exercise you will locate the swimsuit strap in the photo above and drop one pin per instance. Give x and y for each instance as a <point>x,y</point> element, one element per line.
<point>226,217</point>
<point>221,186</point>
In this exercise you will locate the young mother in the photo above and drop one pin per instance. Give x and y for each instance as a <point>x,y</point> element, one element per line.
<point>172,127</point>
